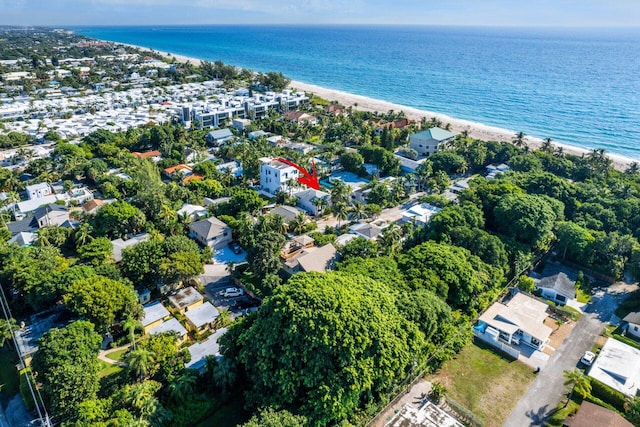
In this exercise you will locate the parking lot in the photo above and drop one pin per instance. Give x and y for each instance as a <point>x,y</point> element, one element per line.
<point>214,291</point>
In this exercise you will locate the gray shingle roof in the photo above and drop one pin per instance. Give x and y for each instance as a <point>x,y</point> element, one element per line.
<point>633,317</point>
<point>559,282</point>
<point>208,228</point>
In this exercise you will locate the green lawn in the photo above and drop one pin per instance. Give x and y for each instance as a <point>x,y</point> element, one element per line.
<point>9,378</point>
<point>485,382</point>
<point>108,369</point>
<point>117,355</point>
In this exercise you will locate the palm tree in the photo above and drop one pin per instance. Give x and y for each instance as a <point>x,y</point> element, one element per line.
<point>183,386</point>
<point>390,238</point>
<point>224,319</point>
<point>579,383</point>
<point>320,203</point>
<point>341,212</point>
<point>357,211</point>
<point>297,224</point>
<point>82,235</point>
<point>633,169</point>
<point>519,139</point>
<point>130,325</point>
<point>340,193</point>
<point>222,372</point>
<point>547,147</point>
<point>140,362</point>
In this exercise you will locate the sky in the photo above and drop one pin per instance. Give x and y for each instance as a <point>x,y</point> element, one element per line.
<point>562,13</point>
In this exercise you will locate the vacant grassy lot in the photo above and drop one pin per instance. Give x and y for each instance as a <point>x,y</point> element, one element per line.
<point>485,382</point>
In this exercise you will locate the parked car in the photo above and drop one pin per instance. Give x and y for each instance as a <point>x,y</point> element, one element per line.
<point>232,292</point>
<point>245,302</point>
<point>588,358</point>
<point>235,248</point>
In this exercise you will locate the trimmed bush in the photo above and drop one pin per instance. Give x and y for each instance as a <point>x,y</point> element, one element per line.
<point>608,395</point>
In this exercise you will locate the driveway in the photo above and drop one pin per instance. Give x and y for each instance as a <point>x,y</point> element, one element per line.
<point>548,389</point>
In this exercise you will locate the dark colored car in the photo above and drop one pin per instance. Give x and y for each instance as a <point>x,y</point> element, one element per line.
<point>245,302</point>
<point>235,248</point>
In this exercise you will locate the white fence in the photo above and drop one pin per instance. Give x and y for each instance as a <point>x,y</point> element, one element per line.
<point>489,339</point>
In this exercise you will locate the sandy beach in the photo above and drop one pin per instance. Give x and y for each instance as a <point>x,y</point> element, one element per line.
<point>475,130</point>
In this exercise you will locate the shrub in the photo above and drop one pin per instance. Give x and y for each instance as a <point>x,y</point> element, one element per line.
<point>608,395</point>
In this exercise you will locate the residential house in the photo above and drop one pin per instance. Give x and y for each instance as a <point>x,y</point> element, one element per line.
<point>144,295</point>
<point>219,136</point>
<point>207,347</point>
<point>557,287</point>
<point>299,147</point>
<point>119,245</point>
<point>633,323</point>
<point>258,134</point>
<point>201,318</point>
<point>319,259</point>
<point>186,299</point>
<point>419,214</point>
<point>211,232</point>
<point>518,321</point>
<point>181,169</point>
<point>154,155</point>
<point>409,165</point>
<point>286,212</point>
<point>493,170</point>
<point>427,142</point>
<point>308,201</point>
<point>427,414</point>
<point>38,191</point>
<point>590,415</point>
<point>52,215</point>
<point>299,117</point>
<point>618,366</point>
<point>192,211</point>
<point>368,230</point>
<point>154,315</point>
<point>93,206</point>
<point>335,109</point>
<point>23,238</point>
<point>233,167</point>
<point>171,325</point>
<point>276,176</point>
<point>240,124</point>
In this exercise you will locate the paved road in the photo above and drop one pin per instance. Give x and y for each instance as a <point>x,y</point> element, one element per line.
<point>548,389</point>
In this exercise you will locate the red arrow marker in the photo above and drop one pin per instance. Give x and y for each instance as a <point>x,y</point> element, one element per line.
<point>306,178</point>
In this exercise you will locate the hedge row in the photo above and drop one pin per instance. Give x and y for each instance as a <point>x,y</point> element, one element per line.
<point>608,395</point>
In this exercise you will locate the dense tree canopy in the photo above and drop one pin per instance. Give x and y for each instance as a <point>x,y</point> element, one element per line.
<point>66,363</point>
<point>354,346</point>
<point>102,300</point>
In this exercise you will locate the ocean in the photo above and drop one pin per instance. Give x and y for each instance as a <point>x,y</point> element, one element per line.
<point>577,86</point>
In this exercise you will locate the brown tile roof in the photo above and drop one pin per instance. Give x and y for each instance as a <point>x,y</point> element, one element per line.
<point>154,153</point>
<point>92,205</point>
<point>590,415</point>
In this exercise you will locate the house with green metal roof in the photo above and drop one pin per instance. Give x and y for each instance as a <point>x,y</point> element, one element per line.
<point>427,142</point>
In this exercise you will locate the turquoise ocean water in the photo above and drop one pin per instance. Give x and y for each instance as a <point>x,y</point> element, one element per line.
<point>577,86</point>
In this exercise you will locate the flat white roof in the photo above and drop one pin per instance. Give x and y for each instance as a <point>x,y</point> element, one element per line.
<point>202,314</point>
<point>201,350</point>
<point>618,366</point>
<point>154,312</point>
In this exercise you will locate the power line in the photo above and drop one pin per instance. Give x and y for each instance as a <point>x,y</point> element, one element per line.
<point>43,415</point>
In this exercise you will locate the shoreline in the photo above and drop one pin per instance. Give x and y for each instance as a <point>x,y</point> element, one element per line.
<point>364,103</point>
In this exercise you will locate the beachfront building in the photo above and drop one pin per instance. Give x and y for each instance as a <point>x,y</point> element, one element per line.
<point>276,176</point>
<point>429,141</point>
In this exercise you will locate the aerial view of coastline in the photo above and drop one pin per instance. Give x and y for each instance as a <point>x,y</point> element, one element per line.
<point>378,214</point>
